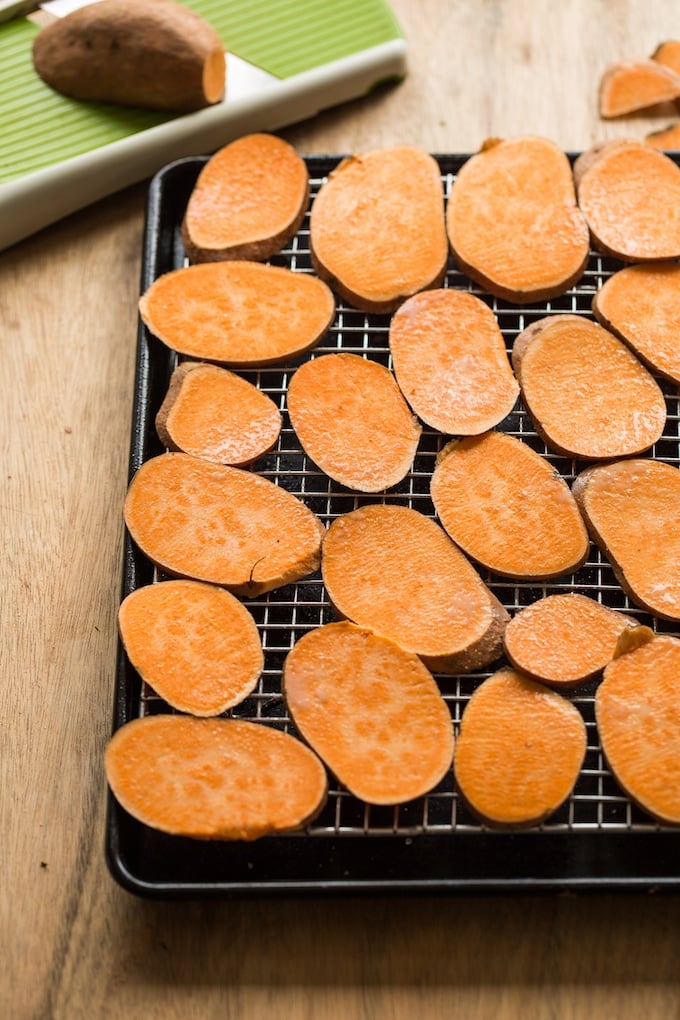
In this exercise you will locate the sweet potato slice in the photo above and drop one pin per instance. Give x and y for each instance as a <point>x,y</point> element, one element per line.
<point>564,640</point>
<point>195,644</point>
<point>214,778</point>
<point>507,508</point>
<point>641,305</point>
<point>221,524</point>
<point>371,711</point>
<point>513,222</point>
<point>237,313</point>
<point>450,361</point>
<point>353,421</point>
<point>214,414</point>
<point>158,55</point>
<point>668,54</point>
<point>629,193</point>
<point>632,509</point>
<point>519,750</point>
<point>636,85</point>
<point>248,202</point>
<point>588,395</point>
<point>637,709</point>
<point>377,228</point>
<point>394,571</point>
<point>668,138</point>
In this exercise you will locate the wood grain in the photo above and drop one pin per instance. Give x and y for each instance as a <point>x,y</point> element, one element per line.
<point>72,943</point>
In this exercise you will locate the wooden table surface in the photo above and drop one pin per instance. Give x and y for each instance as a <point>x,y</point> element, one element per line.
<point>73,943</point>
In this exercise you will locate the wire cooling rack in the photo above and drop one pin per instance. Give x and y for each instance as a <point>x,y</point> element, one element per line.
<point>597,838</point>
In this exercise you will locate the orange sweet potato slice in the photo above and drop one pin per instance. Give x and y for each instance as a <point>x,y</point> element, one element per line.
<point>588,395</point>
<point>222,779</point>
<point>237,313</point>
<point>629,193</point>
<point>668,54</point>
<point>221,524</point>
<point>394,571</point>
<point>513,222</point>
<point>632,510</point>
<point>371,711</point>
<point>564,640</point>
<point>377,228</point>
<point>668,138</point>
<point>215,414</point>
<point>450,361</point>
<point>248,202</point>
<point>636,85</point>
<point>519,750</point>
<point>507,508</point>
<point>637,709</point>
<point>195,644</point>
<point>353,421</point>
<point>640,304</point>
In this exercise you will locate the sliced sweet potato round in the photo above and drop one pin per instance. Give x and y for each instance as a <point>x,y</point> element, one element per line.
<point>394,571</point>
<point>450,361</point>
<point>371,711</point>
<point>507,508</point>
<point>215,414</point>
<point>353,421</point>
<point>631,508</point>
<point>195,644</point>
<point>667,138</point>
<point>237,313</point>
<point>635,85</point>
<point>668,54</point>
<point>377,228</point>
<point>637,708</point>
<point>214,778</point>
<point>519,750</point>
<point>629,193</point>
<point>640,304</point>
<point>221,524</point>
<point>564,640</point>
<point>588,395</point>
<point>513,222</point>
<point>248,201</point>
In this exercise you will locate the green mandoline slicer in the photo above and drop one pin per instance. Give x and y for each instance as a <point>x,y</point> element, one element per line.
<point>286,61</point>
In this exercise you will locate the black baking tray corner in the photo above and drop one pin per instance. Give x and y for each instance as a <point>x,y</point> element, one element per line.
<point>597,841</point>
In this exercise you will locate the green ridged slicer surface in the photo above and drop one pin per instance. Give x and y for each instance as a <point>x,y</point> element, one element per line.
<point>40,128</point>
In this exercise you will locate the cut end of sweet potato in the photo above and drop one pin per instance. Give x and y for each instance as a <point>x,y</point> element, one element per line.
<point>248,202</point>
<point>395,572</point>
<point>629,193</point>
<point>221,524</point>
<point>371,711</point>
<point>353,421</point>
<point>519,750</point>
<point>565,640</point>
<point>377,228</point>
<point>211,413</point>
<point>636,85</point>
<point>507,508</point>
<point>631,508</point>
<point>513,223</point>
<point>237,313</point>
<point>588,395</point>
<point>640,305</point>
<point>214,778</point>
<point>637,708</point>
<point>195,644</point>
<point>667,139</point>
<point>450,361</point>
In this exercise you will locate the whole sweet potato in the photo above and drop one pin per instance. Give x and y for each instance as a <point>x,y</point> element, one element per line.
<point>154,54</point>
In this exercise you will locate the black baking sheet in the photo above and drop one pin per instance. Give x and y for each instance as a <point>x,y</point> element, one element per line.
<point>597,840</point>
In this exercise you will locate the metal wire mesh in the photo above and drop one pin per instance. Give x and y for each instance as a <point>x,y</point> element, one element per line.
<point>597,803</point>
